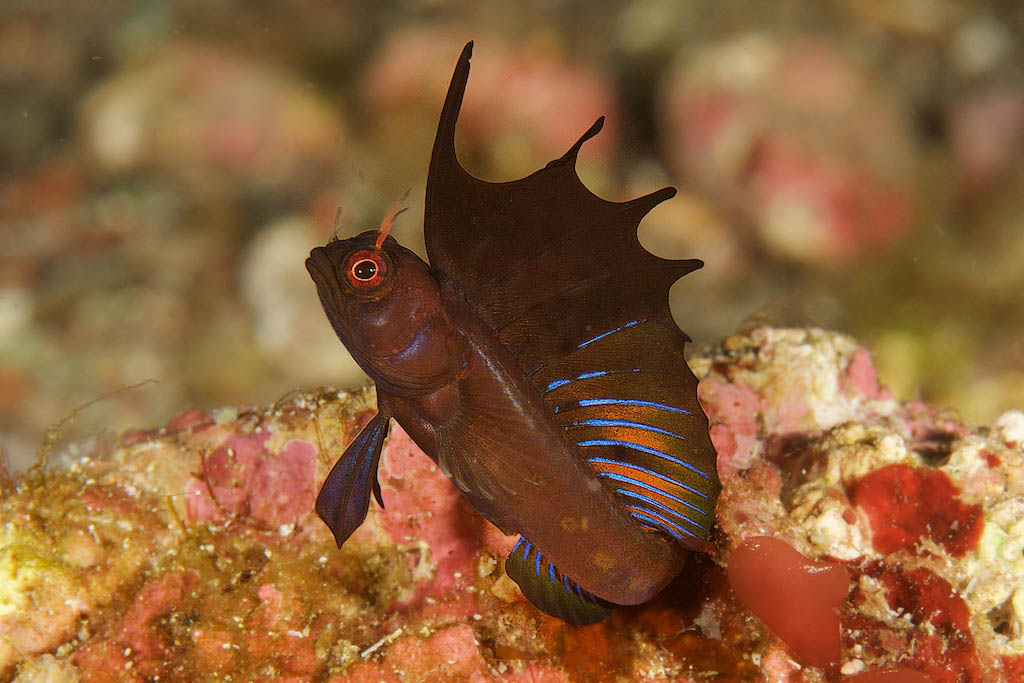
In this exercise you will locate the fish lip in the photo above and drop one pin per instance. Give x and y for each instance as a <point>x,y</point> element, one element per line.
<point>321,270</point>
<point>318,258</point>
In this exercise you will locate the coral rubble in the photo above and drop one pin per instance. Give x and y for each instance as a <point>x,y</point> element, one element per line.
<point>192,551</point>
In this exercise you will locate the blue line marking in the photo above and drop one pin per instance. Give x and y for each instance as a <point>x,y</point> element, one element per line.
<point>536,563</point>
<point>610,332</point>
<point>519,543</point>
<point>649,521</point>
<point>637,482</point>
<point>586,375</point>
<point>634,494</point>
<point>606,461</point>
<point>662,522</point>
<point>645,449</point>
<point>655,515</point>
<point>598,422</point>
<point>565,582</point>
<point>551,573</point>
<point>591,375</point>
<point>630,402</point>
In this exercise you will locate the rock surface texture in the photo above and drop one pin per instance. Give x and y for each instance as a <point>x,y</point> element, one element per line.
<point>192,552</point>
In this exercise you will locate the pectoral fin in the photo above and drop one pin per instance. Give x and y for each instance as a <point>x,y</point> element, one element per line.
<point>345,495</point>
<point>550,590</point>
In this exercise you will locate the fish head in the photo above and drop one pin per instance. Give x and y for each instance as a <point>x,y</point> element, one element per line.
<point>386,307</point>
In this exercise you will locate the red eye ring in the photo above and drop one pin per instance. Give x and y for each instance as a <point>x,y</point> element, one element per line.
<point>365,270</point>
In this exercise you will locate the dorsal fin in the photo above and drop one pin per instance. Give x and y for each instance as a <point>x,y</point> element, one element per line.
<point>559,275</point>
<point>543,260</point>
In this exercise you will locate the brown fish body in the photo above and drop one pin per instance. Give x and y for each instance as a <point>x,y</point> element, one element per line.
<point>532,480</point>
<point>559,504</point>
<point>536,361</point>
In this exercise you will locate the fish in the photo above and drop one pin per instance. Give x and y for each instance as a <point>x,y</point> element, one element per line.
<point>534,358</point>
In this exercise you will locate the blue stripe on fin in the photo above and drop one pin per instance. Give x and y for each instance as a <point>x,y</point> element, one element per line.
<point>591,375</point>
<point>673,529</point>
<point>601,422</point>
<point>558,383</point>
<point>664,508</point>
<point>636,482</point>
<point>644,449</point>
<point>584,403</point>
<point>630,402</point>
<point>610,332</point>
<point>653,524</point>
<point>587,375</point>
<point>551,590</point>
<point>638,468</point>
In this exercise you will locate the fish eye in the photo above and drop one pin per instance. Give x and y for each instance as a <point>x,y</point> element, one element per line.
<point>365,270</point>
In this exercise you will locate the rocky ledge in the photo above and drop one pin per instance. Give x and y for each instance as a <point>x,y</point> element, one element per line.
<point>191,552</point>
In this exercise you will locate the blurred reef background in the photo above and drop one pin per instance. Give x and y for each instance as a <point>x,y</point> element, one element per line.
<point>166,167</point>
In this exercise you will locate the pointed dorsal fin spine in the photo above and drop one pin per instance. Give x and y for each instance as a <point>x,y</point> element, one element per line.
<point>570,156</point>
<point>444,142</point>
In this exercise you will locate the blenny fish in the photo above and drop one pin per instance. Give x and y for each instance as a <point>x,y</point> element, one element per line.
<point>535,360</point>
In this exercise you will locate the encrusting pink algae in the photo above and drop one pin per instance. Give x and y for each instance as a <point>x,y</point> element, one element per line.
<point>192,552</point>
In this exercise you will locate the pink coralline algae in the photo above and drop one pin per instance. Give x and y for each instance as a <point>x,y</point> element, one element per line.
<point>135,637</point>
<point>862,378</point>
<point>451,654</point>
<point>421,506</point>
<point>732,409</point>
<point>192,552</point>
<point>242,477</point>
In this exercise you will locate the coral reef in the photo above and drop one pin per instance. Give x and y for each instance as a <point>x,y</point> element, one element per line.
<point>192,551</point>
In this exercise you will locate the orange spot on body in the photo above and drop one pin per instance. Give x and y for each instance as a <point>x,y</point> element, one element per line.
<point>603,560</point>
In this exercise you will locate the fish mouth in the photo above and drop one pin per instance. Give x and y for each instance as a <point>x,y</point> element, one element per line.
<point>321,269</point>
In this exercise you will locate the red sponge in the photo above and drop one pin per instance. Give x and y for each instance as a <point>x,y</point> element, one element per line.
<point>797,598</point>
